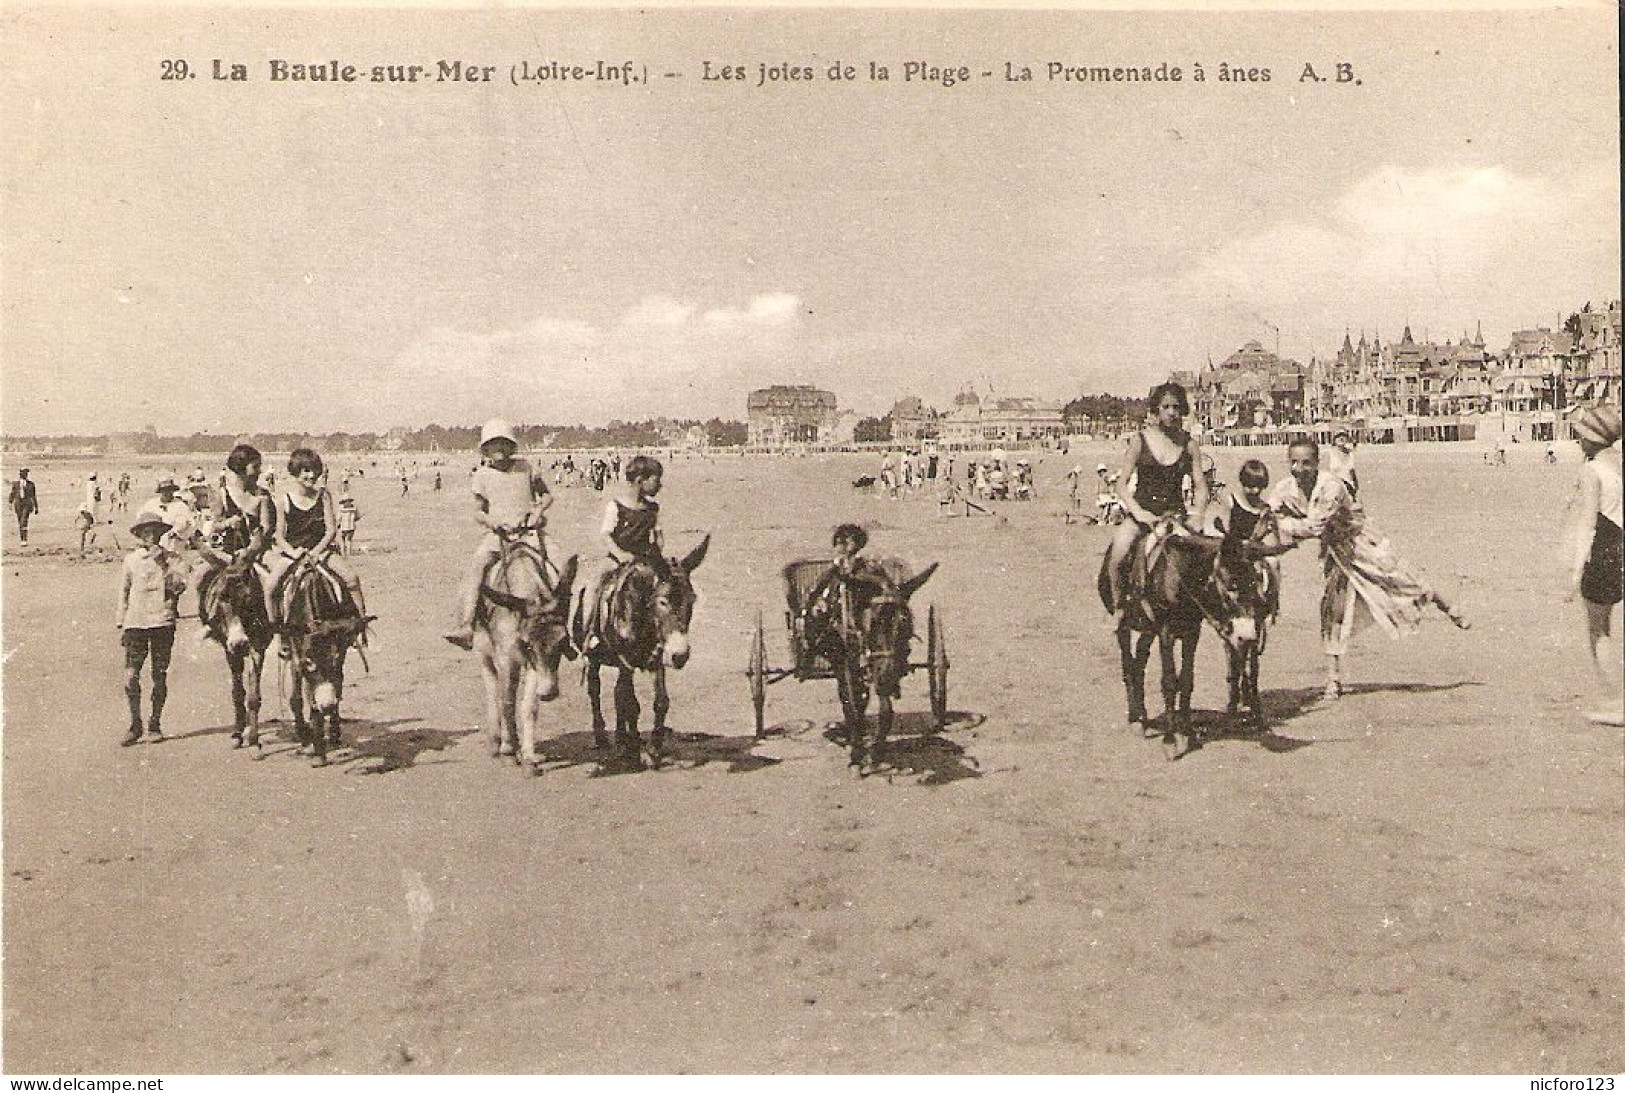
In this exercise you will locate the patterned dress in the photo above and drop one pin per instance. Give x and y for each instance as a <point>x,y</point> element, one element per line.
<point>1366,581</point>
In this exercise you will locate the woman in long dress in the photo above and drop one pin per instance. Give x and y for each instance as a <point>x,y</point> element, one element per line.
<point>1366,581</point>
<point>1597,563</point>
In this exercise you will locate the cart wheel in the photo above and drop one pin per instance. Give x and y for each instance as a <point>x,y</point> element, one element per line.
<point>937,667</point>
<point>756,672</point>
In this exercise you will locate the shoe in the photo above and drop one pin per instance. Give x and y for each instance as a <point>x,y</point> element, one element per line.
<point>463,638</point>
<point>1333,691</point>
<point>131,737</point>
<point>154,734</point>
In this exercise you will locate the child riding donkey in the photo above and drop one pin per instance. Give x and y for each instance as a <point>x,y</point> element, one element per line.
<point>510,500</point>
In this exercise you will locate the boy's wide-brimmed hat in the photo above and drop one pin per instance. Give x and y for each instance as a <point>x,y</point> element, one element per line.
<point>1598,424</point>
<point>496,429</point>
<point>165,482</point>
<point>150,520</point>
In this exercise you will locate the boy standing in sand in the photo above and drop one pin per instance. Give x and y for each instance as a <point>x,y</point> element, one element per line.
<point>509,495</point>
<point>152,584</point>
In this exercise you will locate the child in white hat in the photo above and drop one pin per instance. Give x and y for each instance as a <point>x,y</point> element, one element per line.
<point>510,497</point>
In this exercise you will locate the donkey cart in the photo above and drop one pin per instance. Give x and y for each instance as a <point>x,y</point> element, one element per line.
<point>863,648</point>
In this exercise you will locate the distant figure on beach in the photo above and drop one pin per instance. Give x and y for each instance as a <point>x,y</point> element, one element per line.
<point>1597,561</point>
<point>1364,580</point>
<point>349,517</point>
<point>1340,461</point>
<point>84,522</point>
<point>23,502</point>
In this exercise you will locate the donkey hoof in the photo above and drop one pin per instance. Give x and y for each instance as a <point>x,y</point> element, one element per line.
<point>319,761</point>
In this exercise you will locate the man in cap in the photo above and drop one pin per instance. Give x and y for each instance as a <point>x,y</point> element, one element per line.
<point>510,497</point>
<point>152,584</point>
<point>168,506</point>
<point>24,502</point>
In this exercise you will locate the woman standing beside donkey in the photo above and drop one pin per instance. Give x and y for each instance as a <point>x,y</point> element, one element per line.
<point>1365,580</point>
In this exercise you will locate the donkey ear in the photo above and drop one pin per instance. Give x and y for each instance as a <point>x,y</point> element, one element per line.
<point>567,577</point>
<point>912,585</point>
<point>692,561</point>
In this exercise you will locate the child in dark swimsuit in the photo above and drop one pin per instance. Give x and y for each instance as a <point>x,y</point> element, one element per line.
<point>306,533</point>
<point>629,531</point>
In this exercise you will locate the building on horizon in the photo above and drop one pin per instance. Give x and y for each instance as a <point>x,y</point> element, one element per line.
<point>790,414</point>
<point>1411,389</point>
<point>1006,420</point>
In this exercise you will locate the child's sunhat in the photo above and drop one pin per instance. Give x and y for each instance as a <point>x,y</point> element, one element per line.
<point>150,520</point>
<point>496,429</point>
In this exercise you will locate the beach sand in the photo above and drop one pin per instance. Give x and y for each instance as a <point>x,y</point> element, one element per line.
<point>1423,876</point>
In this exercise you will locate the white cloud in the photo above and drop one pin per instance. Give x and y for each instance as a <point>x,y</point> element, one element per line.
<point>1439,249</point>
<point>660,357</point>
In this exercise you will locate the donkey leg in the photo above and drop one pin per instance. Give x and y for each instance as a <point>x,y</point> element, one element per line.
<point>296,708</point>
<point>1170,675</point>
<point>1187,673</point>
<point>661,734</point>
<point>529,706</point>
<point>1235,676</point>
<point>507,708</point>
<point>852,707</point>
<point>883,727</point>
<point>313,726</point>
<point>1133,675</point>
<point>493,705</point>
<point>595,697</point>
<point>626,714</point>
<point>254,665</point>
<point>239,712</point>
<point>1255,702</point>
<point>335,736</point>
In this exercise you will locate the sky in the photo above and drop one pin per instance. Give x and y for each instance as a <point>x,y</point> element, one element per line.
<point>215,256</point>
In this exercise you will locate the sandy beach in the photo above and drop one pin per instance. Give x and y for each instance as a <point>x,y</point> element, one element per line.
<point>1423,876</point>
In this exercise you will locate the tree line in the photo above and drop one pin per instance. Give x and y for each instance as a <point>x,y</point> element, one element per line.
<point>445,438</point>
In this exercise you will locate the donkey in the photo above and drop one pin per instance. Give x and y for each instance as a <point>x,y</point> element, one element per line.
<point>645,611</point>
<point>231,605</point>
<point>1238,601</point>
<point>522,633</point>
<point>1161,604</point>
<point>320,623</point>
<point>865,638</point>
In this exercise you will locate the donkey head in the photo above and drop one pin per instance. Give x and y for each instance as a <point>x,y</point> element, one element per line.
<point>1239,591</point>
<point>887,624</point>
<point>545,630</point>
<point>671,604</point>
<point>233,608</point>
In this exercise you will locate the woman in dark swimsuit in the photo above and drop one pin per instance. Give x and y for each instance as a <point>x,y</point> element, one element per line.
<point>243,529</point>
<point>1159,458</point>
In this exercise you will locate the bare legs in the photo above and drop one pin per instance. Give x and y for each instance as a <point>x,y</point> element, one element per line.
<point>1604,647</point>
